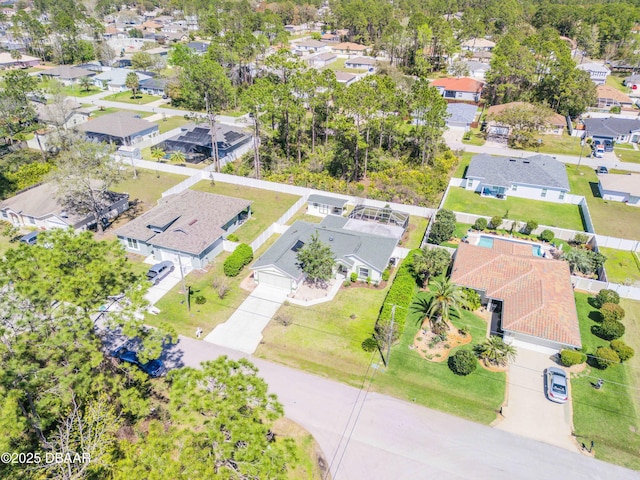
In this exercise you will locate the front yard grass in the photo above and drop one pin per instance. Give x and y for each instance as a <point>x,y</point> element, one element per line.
<point>627,155</point>
<point>476,137</point>
<point>147,188</point>
<point>545,213</point>
<point>169,123</point>
<point>476,397</point>
<point>608,416</point>
<point>621,267</point>
<point>127,97</point>
<point>267,207</point>
<point>104,111</point>
<point>609,218</point>
<point>326,339</point>
<point>563,144</point>
<point>463,163</point>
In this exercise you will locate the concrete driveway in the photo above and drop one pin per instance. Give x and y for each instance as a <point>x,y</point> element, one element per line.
<point>158,291</point>
<point>527,411</point>
<point>243,330</point>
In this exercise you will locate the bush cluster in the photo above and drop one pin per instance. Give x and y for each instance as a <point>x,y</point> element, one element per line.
<point>611,312</point>
<point>473,299</point>
<point>547,235</point>
<point>386,274</point>
<point>241,256</point>
<point>480,224</point>
<point>400,294</point>
<point>607,296</point>
<point>530,226</point>
<point>624,351</point>
<point>496,222</point>
<point>232,237</point>
<point>463,362</point>
<point>610,330</point>
<point>369,344</point>
<point>572,357</point>
<point>605,357</point>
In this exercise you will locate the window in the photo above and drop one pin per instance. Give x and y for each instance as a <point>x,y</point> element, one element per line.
<point>363,272</point>
<point>132,243</point>
<point>32,220</point>
<point>4,214</point>
<point>459,94</point>
<point>561,195</point>
<point>324,208</point>
<point>544,193</point>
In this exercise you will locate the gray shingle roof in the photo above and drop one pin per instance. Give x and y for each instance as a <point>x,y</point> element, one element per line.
<point>118,124</point>
<point>325,200</point>
<point>538,170</point>
<point>67,72</point>
<point>346,246</point>
<point>610,127</point>
<point>461,112</point>
<point>191,221</point>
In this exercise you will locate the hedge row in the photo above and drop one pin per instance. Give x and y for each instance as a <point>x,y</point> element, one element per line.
<point>241,256</point>
<point>400,294</point>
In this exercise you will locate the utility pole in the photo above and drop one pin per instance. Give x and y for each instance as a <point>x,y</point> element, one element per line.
<point>184,287</point>
<point>581,150</point>
<point>213,132</point>
<point>390,334</point>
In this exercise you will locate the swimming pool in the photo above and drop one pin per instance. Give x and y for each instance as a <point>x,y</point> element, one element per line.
<point>487,242</point>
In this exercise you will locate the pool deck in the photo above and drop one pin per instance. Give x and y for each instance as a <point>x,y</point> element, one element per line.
<point>514,245</point>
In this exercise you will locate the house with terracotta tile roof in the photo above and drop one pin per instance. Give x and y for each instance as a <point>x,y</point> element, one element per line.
<point>463,89</point>
<point>350,48</point>
<point>531,296</point>
<point>611,97</point>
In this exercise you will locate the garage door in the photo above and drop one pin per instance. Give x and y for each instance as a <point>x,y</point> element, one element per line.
<point>274,280</point>
<point>173,257</point>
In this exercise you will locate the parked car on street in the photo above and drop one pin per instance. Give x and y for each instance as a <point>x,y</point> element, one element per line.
<point>557,387</point>
<point>602,170</point>
<point>159,271</point>
<point>154,368</point>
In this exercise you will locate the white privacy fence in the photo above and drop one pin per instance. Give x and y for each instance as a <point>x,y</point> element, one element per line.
<point>594,286</point>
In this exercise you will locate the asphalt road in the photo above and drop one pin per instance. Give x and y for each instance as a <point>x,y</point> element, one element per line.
<point>365,435</point>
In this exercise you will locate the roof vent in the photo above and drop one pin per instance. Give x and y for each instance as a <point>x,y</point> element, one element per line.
<point>195,220</point>
<point>526,161</point>
<point>331,239</point>
<point>512,160</point>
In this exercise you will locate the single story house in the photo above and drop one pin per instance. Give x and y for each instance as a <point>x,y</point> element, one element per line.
<point>556,122</point>
<point>535,294</point>
<point>482,56</point>
<point>162,52</point>
<point>321,205</point>
<point>461,115</point>
<point>25,61</point>
<point>296,29</point>
<point>67,115</point>
<point>153,86</point>
<point>463,89</point>
<point>346,78</point>
<point>39,207</point>
<point>67,75</point>
<point>350,48</point>
<point>115,79</point>
<point>475,69</point>
<point>119,128</point>
<point>612,97</point>
<point>187,228</point>
<point>620,188</point>
<point>362,63</point>
<point>539,177</point>
<point>199,48</point>
<point>322,60</point>
<point>597,72</point>
<point>195,141</point>
<point>330,37</point>
<point>365,254</point>
<point>612,129</point>
<point>306,47</point>
<point>477,45</point>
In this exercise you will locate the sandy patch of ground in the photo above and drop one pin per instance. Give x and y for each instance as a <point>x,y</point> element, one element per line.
<point>434,349</point>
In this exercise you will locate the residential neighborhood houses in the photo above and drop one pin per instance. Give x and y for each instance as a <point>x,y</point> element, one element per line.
<point>396,208</point>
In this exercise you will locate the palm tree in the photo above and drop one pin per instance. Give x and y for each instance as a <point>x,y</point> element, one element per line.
<point>157,153</point>
<point>177,157</point>
<point>85,83</point>
<point>578,260</point>
<point>133,82</point>
<point>495,352</point>
<point>444,300</point>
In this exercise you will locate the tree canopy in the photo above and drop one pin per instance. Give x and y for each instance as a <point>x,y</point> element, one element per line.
<point>316,260</point>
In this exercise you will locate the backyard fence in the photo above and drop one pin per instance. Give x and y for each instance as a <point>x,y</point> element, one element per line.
<point>594,286</point>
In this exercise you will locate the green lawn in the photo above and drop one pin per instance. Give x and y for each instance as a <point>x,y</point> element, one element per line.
<point>626,155</point>
<point>477,138</point>
<point>626,219</point>
<point>267,207</point>
<point>169,123</point>
<point>78,91</point>
<point>460,232</point>
<point>463,163</point>
<point>148,186</point>
<point>127,97</point>
<point>173,307</point>
<point>621,266</point>
<point>559,144</point>
<point>608,417</point>
<point>338,65</point>
<point>324,338</point>
<point>615,81</point>
<point>107,110</point>
<point>545,213</point>
<point>415,232</point>
<point>302,215</point>
<point>476,397</point>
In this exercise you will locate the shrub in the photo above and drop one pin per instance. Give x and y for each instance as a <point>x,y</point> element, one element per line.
<point>370,344</point>
<point>607,296</point>
<point>608,330</point>
<point>480,224</point>
<point>530,226</point>
<point>473,299</point>
<point>241,256</point>
<point>605,357</point>
<point>221,285</point>
<point>496,221</point>
<point>572,357</point>
<point>547,235</point>
<point>283,319</point>
<point>624,351</point>
<point>200,300</point>
<point>346,283</point>
<point>353,277</point>
<point>443,227</point>
<point>611,312</point>
<point>400,294</point>
<point>463,362</point>
<point>386,274</point>
<point>580,239</point>
<point>245,252</point>
<point>232,237</point>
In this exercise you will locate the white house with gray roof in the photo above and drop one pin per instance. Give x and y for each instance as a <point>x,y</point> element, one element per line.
<point>597,72</point>
<point>354,251</point>
<point>322,205</point>
<point>186,228</point>
<point>539,177</point>
<point>613,129</point>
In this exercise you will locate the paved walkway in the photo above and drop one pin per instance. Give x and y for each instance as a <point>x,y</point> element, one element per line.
<point>243,330</point>
<point>527,411</point>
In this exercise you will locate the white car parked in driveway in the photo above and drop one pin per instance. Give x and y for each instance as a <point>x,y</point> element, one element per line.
<point>557,386</point>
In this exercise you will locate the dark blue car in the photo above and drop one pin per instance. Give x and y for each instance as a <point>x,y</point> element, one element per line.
<point>154,368</point>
